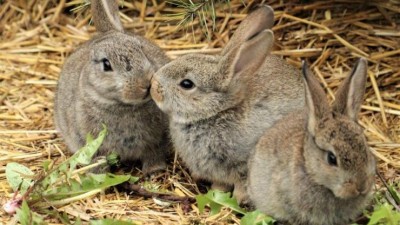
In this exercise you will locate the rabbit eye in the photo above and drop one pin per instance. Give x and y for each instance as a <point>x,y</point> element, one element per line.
<point>331,159</point>
<point>187,84</point>
<point>106,65</point>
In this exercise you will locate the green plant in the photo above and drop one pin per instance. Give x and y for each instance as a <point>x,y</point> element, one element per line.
<point>202,10</point>
<point>59,186</point>
<point>384,214</point>
<point>387,206</point>
<point>217,199</point>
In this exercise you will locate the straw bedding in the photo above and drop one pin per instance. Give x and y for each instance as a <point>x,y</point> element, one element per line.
<point>37,35</point>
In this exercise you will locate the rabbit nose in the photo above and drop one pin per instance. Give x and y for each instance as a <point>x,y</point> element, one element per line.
<point>352,188</point>
<point>143,84</point>
<point>155,91</point>
<point>347,190</point>
<point>145,91</point>
<point>145,87</point>
<point>366,187</point>
<point>364,190</point>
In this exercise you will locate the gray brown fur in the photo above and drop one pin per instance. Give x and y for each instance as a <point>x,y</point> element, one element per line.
<point>87,96</point>
<point>238,95</point>
<point>289,174</point>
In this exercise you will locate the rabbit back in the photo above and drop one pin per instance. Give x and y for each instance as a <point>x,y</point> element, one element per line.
<point>66,97</point>
<point>279,91</point>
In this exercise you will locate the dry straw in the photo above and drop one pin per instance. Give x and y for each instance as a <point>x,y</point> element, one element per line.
<point>37,35</point>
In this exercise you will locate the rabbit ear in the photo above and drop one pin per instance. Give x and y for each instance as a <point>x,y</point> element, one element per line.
<point>316,101</point>
<point>253,52</point>
<point>248,57</point>
<point>248,46</point>
<point>257,21</point>
<point>350,94</point>
<point>105,15</point>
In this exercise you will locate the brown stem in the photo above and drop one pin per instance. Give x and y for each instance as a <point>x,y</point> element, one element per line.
<point>390,199</point>
<point>147,194</point>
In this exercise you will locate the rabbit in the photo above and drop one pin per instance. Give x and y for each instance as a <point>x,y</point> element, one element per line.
<point>314,166</point>
<point>106,81</point>
<point>219,105</point>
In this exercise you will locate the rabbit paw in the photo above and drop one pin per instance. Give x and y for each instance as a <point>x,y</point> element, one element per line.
<point>221,187</point>
<point>241,195</point>
<point>149,168</point>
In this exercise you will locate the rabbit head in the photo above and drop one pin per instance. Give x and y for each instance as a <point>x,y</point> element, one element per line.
<point>198,86</point>
<point>118,70</point>
<point>336,152</point>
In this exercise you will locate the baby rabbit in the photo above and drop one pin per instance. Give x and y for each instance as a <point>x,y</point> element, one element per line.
<point>313,166</point>
<point>107,81</point>
<point>220,105</point>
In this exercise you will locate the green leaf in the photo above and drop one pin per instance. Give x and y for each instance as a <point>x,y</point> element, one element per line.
<point>87,182</point>
<point>133,179</point>
<point>84,155</point>
<point>60,185</point>
<point>226,200</point>
<point>264,222</point>
<point>52,178</point>
<point>217,199</point>
<point>46,165</point>
<point>378,215</point>
<point>395,194</point>
<point>26,217</point>
<point>63,217</point>
<point>256,217</point>
<point>19,176</point>
<point>78,221</point>
<point>202,201</point>
<point>215,208</point>
<point>113,159</point>
<point>384,214</point>
<point>110,222</point>
<point>104,180</point>
<point>23,214</point>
